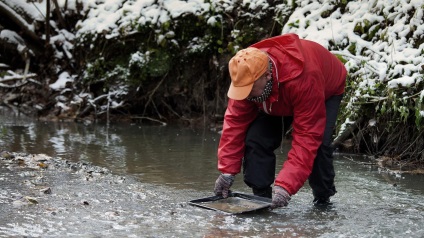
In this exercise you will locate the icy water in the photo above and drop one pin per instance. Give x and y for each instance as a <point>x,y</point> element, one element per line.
<point>175,165</point>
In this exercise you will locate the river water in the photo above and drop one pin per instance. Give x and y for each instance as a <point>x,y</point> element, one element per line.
<point>180,163</point>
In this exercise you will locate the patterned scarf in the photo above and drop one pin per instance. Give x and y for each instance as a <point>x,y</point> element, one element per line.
<point>267,90</point>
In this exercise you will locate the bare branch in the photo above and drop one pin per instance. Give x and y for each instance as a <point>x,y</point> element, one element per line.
<point>17,77</point>
<point>150,119</point>
<point>153,92</point>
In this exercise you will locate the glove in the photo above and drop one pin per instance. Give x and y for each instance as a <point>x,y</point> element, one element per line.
<point>223,184</point>
<point>280,197</point>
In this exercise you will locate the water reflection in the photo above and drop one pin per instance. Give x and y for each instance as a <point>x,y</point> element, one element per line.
<point>167,155</point>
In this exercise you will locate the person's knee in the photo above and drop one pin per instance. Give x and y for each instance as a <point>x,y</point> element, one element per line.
<point>262,182</point>
<point>263,192</point>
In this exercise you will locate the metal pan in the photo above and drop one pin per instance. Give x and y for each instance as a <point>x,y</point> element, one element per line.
<point>236,203</point>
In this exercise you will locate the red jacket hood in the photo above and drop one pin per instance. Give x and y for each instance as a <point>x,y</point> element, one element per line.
<point>286,48</point>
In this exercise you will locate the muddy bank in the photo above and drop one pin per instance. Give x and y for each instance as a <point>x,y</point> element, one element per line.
<point>42,196</point>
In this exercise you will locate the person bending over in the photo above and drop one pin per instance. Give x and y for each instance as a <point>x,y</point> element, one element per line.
<point>276,82</point>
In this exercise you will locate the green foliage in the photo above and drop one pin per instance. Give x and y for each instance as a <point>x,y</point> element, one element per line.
<point>96,70</point>
<point>167,46</point>
<point>107,72</point>
<point>419,107</point>
<point>352,48</point>
<point>373,30</point>
<point>294,24</point>
<point>159,63</point>
<point>368,95</point>
<point>341,58</point>
<point>418,117</point>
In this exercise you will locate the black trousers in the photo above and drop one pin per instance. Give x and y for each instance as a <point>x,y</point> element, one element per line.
<point>264,136</point>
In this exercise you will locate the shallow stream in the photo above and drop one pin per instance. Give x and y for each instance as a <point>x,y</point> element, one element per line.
<point>173,165</point>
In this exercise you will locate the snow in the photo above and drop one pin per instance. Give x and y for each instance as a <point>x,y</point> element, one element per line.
<point>19,4</point>
<point>11,37</point>
<point>61,81</point>
<point>372,122</point>
<point>391,59</point>
<point>111,16</point>
<point>36,10</point>
<point>178,7</point>
<point>404,81</point>
<point>383,53</point>
<point>139,58</point>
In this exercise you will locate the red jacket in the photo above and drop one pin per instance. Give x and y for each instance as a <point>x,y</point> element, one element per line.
<point>306,75</point>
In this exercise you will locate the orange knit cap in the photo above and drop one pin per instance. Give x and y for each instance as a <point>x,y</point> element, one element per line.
<point>245,68</point>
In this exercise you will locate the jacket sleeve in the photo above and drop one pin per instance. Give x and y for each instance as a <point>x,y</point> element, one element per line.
<point>237,118</point>
<point>309,119</point>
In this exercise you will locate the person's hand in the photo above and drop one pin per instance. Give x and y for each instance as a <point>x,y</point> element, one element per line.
<point>280,197</point>
<point>223,184</point>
